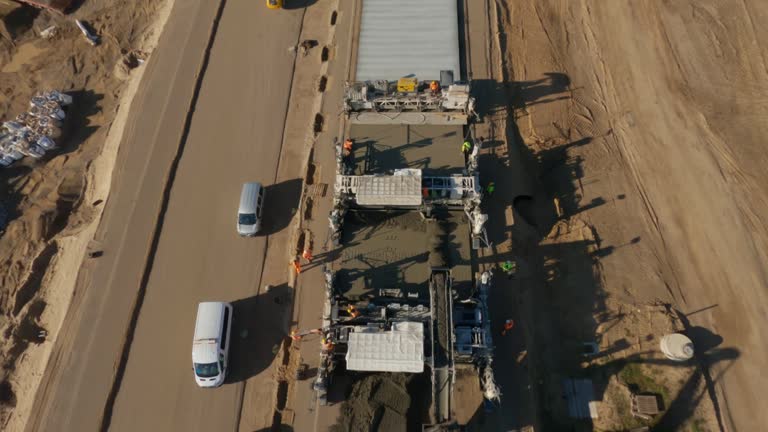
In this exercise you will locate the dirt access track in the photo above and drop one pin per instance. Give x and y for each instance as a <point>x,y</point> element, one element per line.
<point>647,121</point>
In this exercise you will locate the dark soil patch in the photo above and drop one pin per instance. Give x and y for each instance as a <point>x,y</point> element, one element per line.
<point>7,395</point>
<point>308,204</point>
<point>524,207</point>
<point>319,121</point>
<point>32,285</point>
<point>310,178</point>
<point>322,83</point>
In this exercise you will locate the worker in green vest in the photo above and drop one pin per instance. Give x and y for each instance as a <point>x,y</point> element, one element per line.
<point>509,267</point>
<point>466,148</point>
<point>490,189</point>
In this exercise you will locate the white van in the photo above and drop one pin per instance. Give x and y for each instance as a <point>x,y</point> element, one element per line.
<point>249,213</point>
<point>210,345</point>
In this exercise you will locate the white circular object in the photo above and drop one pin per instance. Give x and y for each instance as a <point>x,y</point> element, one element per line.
<point>677,347</point>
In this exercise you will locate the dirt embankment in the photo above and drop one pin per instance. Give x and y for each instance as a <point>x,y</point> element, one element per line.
<point>645,121</point>
<point>55,202</point>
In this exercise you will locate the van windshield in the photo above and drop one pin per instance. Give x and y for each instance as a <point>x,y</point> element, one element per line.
<point>206,370</point>
<point>246,219</point>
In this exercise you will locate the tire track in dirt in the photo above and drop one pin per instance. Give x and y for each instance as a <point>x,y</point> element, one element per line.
<point>627,157</point>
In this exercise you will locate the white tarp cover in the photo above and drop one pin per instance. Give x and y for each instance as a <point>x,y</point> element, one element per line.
<point>408,37</point>
<point>398,350</point>
<point>402,188</point>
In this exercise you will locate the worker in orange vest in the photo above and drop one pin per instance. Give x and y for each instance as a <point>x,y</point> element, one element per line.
<point>434,87</point>
<point>508,324</point>
<point>348,147</point>
<point>307,254</point>
<point>296,266</point>
<point>327,344</point>
<point>352,311</point>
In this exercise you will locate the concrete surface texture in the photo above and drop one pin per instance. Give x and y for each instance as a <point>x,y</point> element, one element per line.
<point>380,149</point>
<point>384,251</point>
<point>397,249</point>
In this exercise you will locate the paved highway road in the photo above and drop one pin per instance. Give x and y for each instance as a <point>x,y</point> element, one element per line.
<point>235,135</point>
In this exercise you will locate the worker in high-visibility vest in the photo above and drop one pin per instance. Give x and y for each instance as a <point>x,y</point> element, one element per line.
<point>509,267</point>
<point>327,344</point>
<point>348,143</point>
<point>490,189</point>
<point>434,87</point>
<point>466,149</point>
<point>508,325</point>
<point>307,254</point>
<point>352,311</point>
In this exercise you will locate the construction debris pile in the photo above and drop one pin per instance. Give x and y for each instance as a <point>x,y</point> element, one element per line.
<point>34,132</point>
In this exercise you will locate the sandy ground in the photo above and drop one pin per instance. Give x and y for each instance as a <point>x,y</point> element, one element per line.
<point>644,120</point>
<point>43,245</point>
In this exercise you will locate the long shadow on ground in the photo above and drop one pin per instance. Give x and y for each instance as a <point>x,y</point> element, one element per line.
<point>257,331</point>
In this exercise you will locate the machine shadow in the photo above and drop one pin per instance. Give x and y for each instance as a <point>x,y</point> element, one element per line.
<point>553,86</point>
<point>536,191</point>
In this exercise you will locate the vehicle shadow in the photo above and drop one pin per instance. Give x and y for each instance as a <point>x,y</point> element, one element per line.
<point>297,4</point>
<point>280,205</point>
<point>258,328</point>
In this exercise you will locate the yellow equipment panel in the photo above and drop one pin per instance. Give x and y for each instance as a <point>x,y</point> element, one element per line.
<point>407,85</point>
